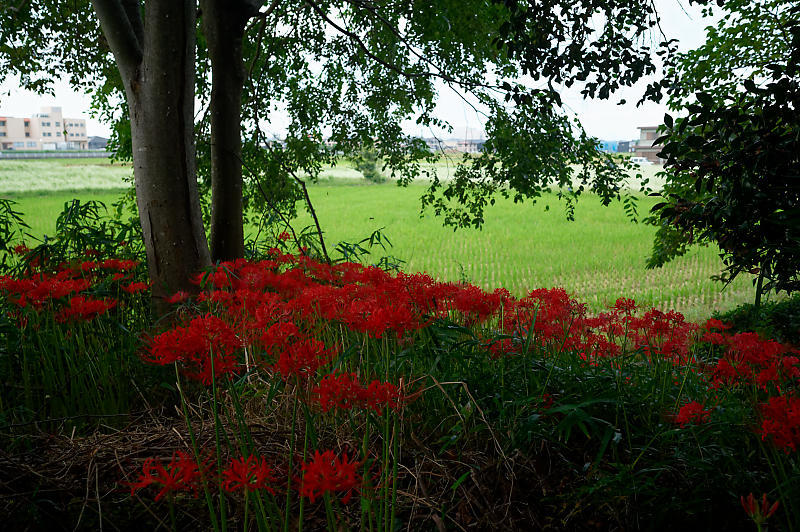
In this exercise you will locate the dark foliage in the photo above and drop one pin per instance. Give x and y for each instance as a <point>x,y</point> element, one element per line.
<point>734,168</point>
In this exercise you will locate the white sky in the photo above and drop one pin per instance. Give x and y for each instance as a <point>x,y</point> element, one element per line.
<point>601,118</point>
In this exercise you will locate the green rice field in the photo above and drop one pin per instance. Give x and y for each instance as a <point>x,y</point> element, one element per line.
<point>597,258</point>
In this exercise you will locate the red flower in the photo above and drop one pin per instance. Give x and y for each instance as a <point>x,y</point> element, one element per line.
<point>781,422</point>
<point>625,305</point>
<point>194,345</point>
<point>303,358</point>
<point>135,288</point>
<point>87,266</point>
<point>326,473</point>
<point>119,265</point>
<point>338,391</point>
<point>380,395</point>
<point>248,474</point>
<point>692,413</point>
<point>178,297</point>
<point>757,513</point>
<point>181,474</point>
<point>85,309</point>
<point>284,236</point>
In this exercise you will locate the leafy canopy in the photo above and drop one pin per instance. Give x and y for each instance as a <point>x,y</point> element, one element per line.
<point>734,165</point>
<point>355,71</point>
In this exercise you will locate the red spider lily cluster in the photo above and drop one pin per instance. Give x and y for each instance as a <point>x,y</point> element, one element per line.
<point>328,473</point>
<point>68,290</point>
<point>268,315</point>
<point>181,474</point>
<point>272,309</point>
<point>204,347</point>
<point>343,391</point>
<point>324,473</point>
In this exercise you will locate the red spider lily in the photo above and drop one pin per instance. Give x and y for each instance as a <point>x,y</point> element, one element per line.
<point>625,305</point>
<point>345,392</point>
<point>83,308</point>
<point>327,473</point>
<point>380,395</point>
<point>284,236</point>
<point>338,391</point>
<point>713,323</point>
<point>194,346</point>
<point>41,288</point>
<point>135,288</point>
<point>21,249</point>
<point>303,359</point>
<point>279,336</point>
<point>248,474</point>
<point>119,265</point>
<point>178,297</point>
<point>759,514</point>
<point>692,413</point>
<point>781,422</point>
<point>181,474</point>
<point>88,266</point>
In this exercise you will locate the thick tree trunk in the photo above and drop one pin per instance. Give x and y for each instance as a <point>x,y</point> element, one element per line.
<point>223,25</point>
<point>156,61</point>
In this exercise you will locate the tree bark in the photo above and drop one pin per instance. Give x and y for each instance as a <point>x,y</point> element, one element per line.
<point>223,25</point>
<point>156,57</point>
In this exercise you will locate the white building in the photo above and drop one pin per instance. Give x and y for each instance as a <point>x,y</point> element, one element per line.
<point>47,130</point>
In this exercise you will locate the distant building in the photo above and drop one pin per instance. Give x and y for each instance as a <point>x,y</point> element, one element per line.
<point>645,147</point>
<point>47,130</point>
<point>624,146</point>
<point>470,146</point>
<point>434,144</point>
<point>97,143</point>
<point>455,145</point>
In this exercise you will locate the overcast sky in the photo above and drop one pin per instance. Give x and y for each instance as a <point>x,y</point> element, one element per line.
<point>601,118</point>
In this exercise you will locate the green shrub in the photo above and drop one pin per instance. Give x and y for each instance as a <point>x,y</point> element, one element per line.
<point>778,320</point>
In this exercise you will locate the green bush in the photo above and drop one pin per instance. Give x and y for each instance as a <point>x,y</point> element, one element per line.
<point>778,320</point>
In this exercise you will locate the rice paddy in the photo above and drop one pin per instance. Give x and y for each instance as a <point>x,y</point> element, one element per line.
<point>597,258</point>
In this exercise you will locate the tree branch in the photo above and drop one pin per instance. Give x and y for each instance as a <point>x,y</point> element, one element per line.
<point>394,68</point>
<point>134,18</point>
<point>120,31</point>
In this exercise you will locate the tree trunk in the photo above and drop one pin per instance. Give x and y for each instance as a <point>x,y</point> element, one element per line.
<point>156,60</point>
<point>223,25</point>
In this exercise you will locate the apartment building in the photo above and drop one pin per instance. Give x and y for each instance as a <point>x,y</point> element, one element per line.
<point>46,130</point>
<point>645,147</point>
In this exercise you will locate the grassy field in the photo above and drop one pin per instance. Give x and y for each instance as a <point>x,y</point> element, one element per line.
<point>598,258</point>
<point>48,175</point>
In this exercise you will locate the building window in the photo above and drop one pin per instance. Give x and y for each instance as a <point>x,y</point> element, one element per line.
<point>19,144</point>
<point>2,122</point>
<point>27,133</point>
<point>58,124</point>
<point>2,133</point>
<point>31,144</point>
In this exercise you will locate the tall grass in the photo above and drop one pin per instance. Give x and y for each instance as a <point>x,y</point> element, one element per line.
<point>48,175</point>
